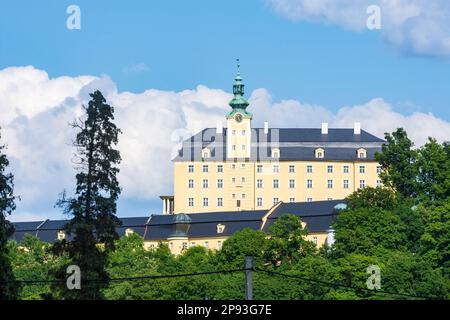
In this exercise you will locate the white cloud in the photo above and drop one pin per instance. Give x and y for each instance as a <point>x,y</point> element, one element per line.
<point>414,26</point>
<point>36,110</point>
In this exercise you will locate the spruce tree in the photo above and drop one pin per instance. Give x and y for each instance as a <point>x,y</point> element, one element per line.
<point>92,228</point>
<point>8,289</point>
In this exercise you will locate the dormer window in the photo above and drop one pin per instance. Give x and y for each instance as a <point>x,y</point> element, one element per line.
<point>206,153</point>
<point>220,228</point>
<point>319,153</point>
<point>128,232</point>
<point>61,235</point>
<point>362,153</point>
<point>276,153</point>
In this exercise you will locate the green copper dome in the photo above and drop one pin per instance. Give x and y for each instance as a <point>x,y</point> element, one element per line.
<point>239,103</point>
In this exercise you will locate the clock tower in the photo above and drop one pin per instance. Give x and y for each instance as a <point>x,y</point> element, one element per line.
<point>239,122</point>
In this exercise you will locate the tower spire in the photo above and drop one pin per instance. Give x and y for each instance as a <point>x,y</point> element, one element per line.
<point>238,101</point>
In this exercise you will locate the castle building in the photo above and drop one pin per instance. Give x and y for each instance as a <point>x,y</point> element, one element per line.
<point>245,168</point>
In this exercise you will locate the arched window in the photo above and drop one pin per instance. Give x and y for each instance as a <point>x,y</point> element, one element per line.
<point>361,153</point>
<point>275,153</point>
<point>319,153</point>
<point>206,153</point>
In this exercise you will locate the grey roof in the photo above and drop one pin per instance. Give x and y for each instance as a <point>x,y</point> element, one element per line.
<point>294,144</point>
<point>318,216</point>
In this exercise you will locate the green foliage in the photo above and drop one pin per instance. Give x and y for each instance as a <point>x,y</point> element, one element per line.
<point>93,209</point>
<point>373,198</point>
<point>7,289</point>
<point>397,160</point>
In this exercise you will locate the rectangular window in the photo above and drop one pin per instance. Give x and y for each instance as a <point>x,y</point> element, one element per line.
<point>243,196</point>
<point>243,147</point>
<point>346,169</point>
<point>233,147</point>
<point>378,170</point>
<point>206,244</point>
<point>275,201</point>
<point>345,184</point>
<point>276,168</point>
<point>329,199</point>
<point>184,246</point>
<point>259,183</point>
<point>379,184</point>
<point>220,202</point>
<point>191,168</point>
<point>242,179</point>
<point>243,132</point>
<point>233,195</point>
<point>219,245</point>
<point>309,184</point>
<point>190,202</point>
<point>205,202</point>
<point>309,200</point>
<point>330,169</point>
<point>220,168</point>
<point>291,183</point>
<point>192,244</point>
<point>233,166</point>
<point>205,168</point>
<point>243,165</point>
<point>314,241</point>
<point>275,183</point>
<point>233,132</point>
<point>259,202</point>
<point>362,169</point>
<point>291,200</point>
<point>205,183</point>
<point>259,168</point>
<point>309,169</point>
<point>233,180</point>
<point>291,169</point>
<point>362,184</point>
<point>330,184</point>
<point>190,184</point>
<point>219,183</point>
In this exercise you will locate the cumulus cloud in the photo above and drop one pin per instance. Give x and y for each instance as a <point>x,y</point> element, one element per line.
<point>36,110</point>
<point>412,26</point>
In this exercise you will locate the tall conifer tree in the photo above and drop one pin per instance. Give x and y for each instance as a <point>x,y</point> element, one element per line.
<point>8,289</point>
<point>92,228</point>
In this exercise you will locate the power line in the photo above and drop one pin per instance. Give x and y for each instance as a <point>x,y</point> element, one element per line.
<point>330,284</point>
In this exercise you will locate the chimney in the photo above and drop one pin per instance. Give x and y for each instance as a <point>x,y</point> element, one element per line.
<point>266,127</point>
<point>324,128</point>
<point>357,128</point>
<point>219,128</point>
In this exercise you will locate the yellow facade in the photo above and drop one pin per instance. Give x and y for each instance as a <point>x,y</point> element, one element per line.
<point>241,181</point>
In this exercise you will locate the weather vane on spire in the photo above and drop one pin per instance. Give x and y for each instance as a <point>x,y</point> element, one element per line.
<point>238,65</point>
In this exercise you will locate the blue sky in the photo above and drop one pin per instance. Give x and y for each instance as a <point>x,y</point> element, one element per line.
<point>177,45</point>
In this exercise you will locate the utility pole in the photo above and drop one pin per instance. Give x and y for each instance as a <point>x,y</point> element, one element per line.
<point>248,278</point>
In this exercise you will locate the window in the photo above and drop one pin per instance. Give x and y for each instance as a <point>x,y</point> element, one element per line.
<point>190,202</point>
<point>329,199</point>
<point>233,180</point>
<point>219,245</point>
<point>191,168</point>
<point>233,166</point>
<point>233,132</point>
<point>291,200</point>
<point>362,184</point>
<point>243,165</point>
<point>205,168</point>
<point>309,200</point>
<point>319,153</point>
<point>379,184</point>
<point>184,246</point>
<point>378,169</point>
<point>275,153</point>
<point>171,245</point>
<point>275,183</point>
<point>205,183</point>
<point>361,153</point>
<point>242,179</point>
<point>220,168</point>
<point>243,132</point>
<point>233,147</point>
<point>220,228</point>
<point>362,169</point>
<point>206,244</point>
<point>276,168</point>
<point>243,147</point>
<point>330,169</point>
<point>330,184</point>
<point>275,201</point>
<point>190,184</point>
<point>192,244</point>
<point>346,168</point>
<point>205,202</point>
<point>291,183</point>
<point>259,168</point>
<point>243,196</point>
<point>238,203</point>
<point>259,202</point>
<point>259,183</point>
<point>309,169</point>
<point>219,183</point>
<point>309,184</point>
<point>291,169</point>
<point>314,241</point>
<point>345,184</point>
<point>206,153</point>
<point>220,202</point>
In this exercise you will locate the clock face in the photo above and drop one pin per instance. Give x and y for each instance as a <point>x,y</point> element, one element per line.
<point>238,117</point>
